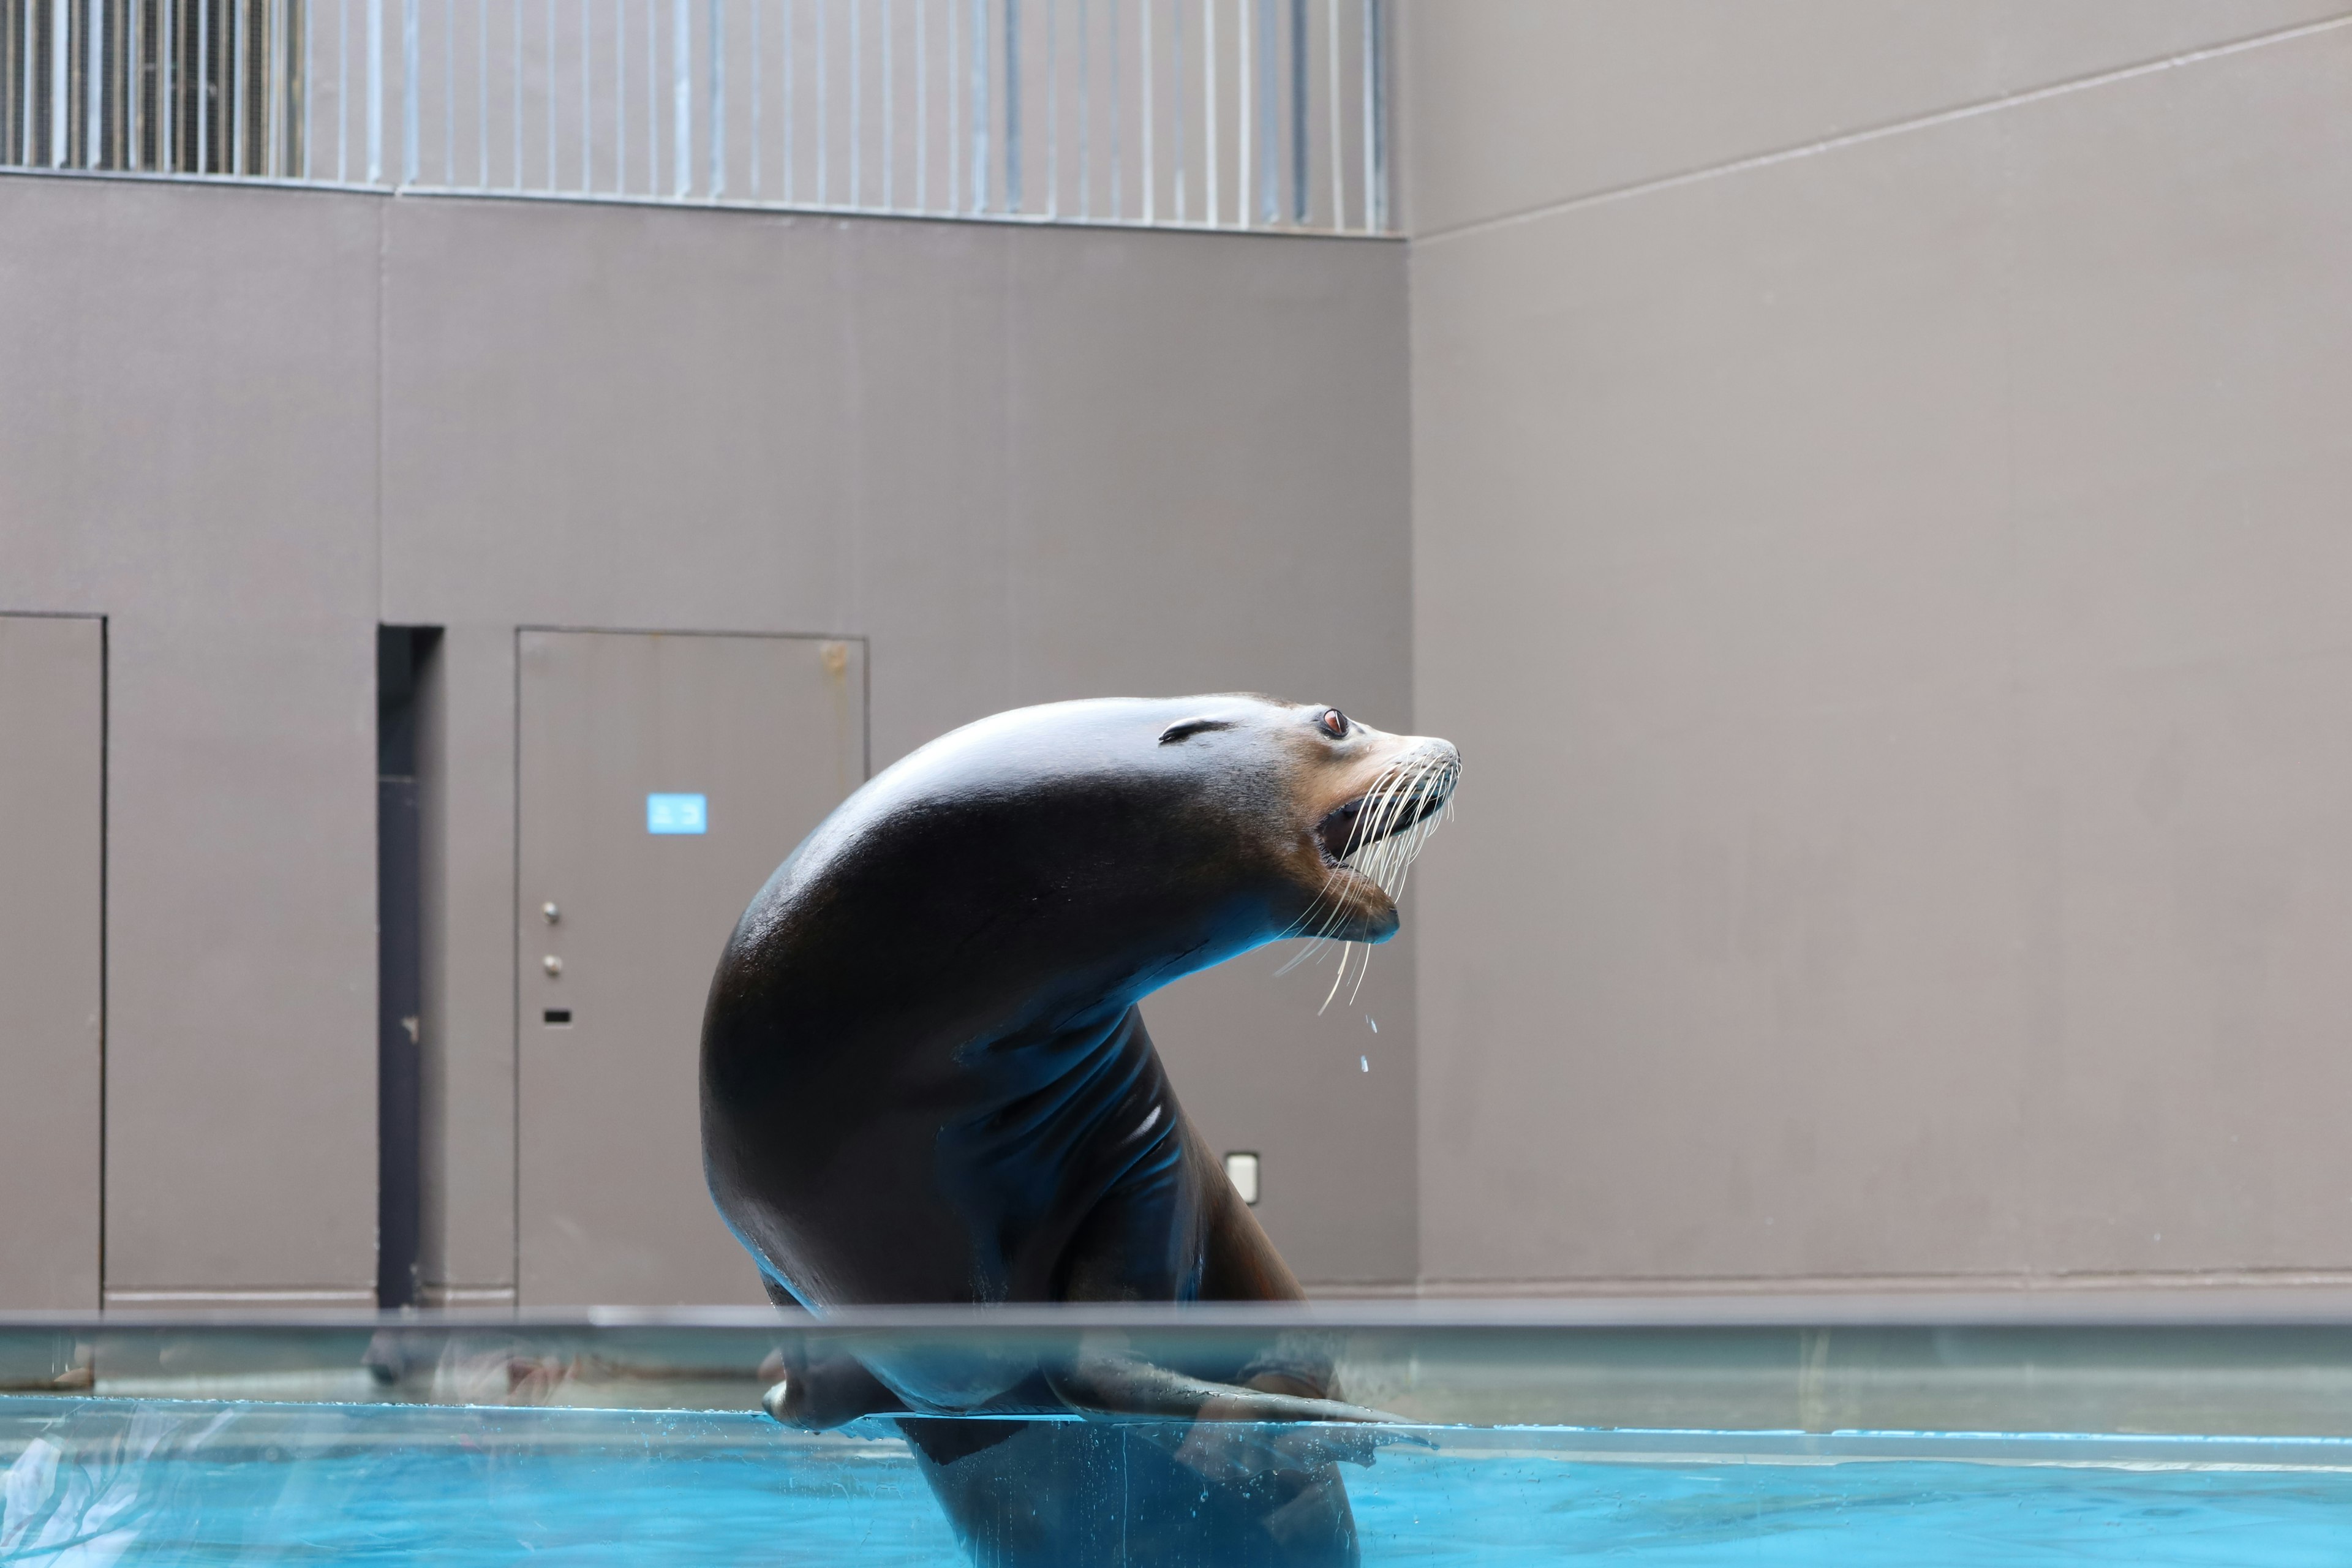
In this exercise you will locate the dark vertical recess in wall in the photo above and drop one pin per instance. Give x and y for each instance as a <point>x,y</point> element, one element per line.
<point>403,657</point>
<point>105,891</point>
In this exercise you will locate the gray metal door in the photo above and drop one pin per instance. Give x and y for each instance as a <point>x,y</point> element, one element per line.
<point>52,805</point>
<point>661,778</point>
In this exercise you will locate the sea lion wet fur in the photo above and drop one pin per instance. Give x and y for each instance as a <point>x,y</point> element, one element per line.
<point>925,1077</point>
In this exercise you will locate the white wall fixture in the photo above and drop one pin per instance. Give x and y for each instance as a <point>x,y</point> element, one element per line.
<point>1241,1168</point>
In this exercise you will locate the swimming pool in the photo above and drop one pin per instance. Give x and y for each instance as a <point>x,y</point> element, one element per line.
<point>595,1443</point>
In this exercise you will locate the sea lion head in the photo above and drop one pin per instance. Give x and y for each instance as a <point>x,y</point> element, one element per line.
<point>1116,843</point>
<point>1332,809</point>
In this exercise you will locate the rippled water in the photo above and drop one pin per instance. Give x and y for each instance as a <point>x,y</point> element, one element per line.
<point>96,1482</point>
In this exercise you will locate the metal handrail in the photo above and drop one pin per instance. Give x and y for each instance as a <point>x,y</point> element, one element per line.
<point>1210,114</point>
<point>2183,1308</point>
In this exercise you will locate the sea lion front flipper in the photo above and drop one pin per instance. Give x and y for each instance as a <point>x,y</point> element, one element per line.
<point>1105,1378</point>
<point>817,1393</point>
<point>1290,1381</point>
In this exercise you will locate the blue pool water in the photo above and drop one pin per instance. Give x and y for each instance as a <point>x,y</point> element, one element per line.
<point>93,1483</point>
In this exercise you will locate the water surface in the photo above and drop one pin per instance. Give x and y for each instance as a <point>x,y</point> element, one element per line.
<point>96,1482</point>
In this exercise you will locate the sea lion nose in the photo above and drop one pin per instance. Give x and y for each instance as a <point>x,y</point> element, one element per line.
<point>1437,755</point>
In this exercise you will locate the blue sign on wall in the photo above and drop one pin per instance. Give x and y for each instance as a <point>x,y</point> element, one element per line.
<point>676,814</point>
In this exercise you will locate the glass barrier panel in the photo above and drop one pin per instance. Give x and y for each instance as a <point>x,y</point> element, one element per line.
<point>1511,1435</point>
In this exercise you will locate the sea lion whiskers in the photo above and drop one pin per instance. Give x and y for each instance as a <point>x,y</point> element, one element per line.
<point>1367,849</point>
<point>1381,849</point>
<point>1391,856</point>
<point>1371,858</point>
<point>1369,805</point>
<point>1382,852</point>
<point>1388,860</point>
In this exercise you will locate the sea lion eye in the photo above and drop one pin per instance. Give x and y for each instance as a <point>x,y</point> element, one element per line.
<point>1335,724</point>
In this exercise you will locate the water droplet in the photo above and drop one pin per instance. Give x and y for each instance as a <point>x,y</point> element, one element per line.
<point>1365,1063</point>
<point>1375,1023</point>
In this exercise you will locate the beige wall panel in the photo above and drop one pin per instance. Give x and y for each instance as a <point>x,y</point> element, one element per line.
<point>1324,1098</point>
<point>1025,464</point>
<point>1513,104</point>
<point>190,413</point>
<point>1892,607</point>
<point>52,869</point>
<point>771,732</point>
<point>1199,502</point>
<point>602,416</point>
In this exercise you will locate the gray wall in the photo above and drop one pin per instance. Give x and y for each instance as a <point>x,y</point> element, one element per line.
<point>1891,598</point>
<point>52,942</point>
<point>190,450</point>
<point>1028,464</point>
<point>1876,478</point>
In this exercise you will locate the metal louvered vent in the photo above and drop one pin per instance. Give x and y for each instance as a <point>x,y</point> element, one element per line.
<point>1205,114</point>
<point>187,86</point>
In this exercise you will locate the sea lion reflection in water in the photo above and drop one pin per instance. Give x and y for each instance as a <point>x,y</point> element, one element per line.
<point>924,1079</point>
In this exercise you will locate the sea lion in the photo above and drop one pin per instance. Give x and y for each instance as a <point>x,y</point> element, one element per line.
<point>924,1077</point>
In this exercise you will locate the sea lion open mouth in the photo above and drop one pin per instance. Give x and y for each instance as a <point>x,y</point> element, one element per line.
<point>1346,828</point>
<point>1381,829</point>
<point>1368,846</point>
